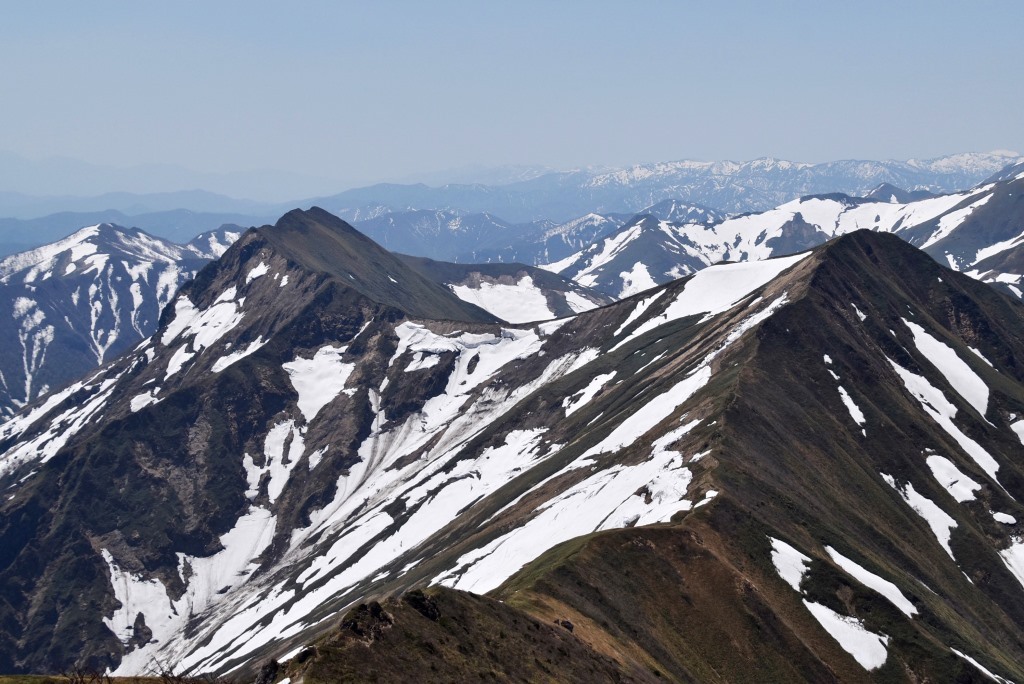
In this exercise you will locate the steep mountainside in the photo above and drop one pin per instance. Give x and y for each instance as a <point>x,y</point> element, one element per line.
<point>83,300</point>
<point>514,293</point>
<point>825,445</point>
<point>756,185</point>
<point>978,231</point>
<point>644,253</point>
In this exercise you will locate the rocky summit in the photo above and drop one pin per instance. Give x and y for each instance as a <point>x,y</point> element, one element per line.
<point>326,463</point>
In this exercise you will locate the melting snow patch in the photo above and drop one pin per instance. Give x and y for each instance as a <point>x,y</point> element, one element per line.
<point>523,302</point>
<point>708,496</point>
<point>716,289</point>
<point>205,579</point>
<point>644,419</point>
<point>1013,558</point>
<point>980,668</point>
<point>636,280</point>
<point>1004,518</point>
<point>143,400</point>
<point>259,270</point>
<point>319,380</point>
<point>940,523</point>
<point>316,457</point>
<point>964,380</point>
<point>867,648</point>
<point>860,315</point>
<point>873,581</point>
<point>981,356</point>
<point>204,327</point>
<point>228,359</point>
<point>550,327</point>
<point>959,486</point>
<point>607,499</point>
<point>582,398</point>
<point>639,310</point>
<point>1018,428</point>
<point>936,405</point>
<point>789,563</point>
<point>578,303</point>
<point>277,464</point>
<point>855,412</point>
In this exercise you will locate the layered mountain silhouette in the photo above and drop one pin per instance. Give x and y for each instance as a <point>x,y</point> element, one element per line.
<point>729,186</point>
<point>978,231</point>
<point>802,468</point>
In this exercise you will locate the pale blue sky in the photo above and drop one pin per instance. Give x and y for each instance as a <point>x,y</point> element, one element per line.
<point>366,91</point>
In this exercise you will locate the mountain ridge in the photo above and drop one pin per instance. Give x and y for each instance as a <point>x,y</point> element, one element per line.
<point>453,453</point>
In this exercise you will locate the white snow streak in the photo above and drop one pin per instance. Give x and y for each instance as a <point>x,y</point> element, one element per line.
<point>940,523</point>
<point>873,581</point>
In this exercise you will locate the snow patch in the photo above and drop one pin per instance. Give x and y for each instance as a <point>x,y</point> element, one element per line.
<point>873,581</point>
<point>717,289</point>
<point>940,523</point>
<point>963,379</point>
<point>935,404</point>
<point>523,302</point>
<point>319,380</point>
<point>255,272</point>
<point>789,563</point>
<point>574,403</point>
<point>867,648</point>
<point>635,280</point>
<point>228,359</point>
<point>959,486</point>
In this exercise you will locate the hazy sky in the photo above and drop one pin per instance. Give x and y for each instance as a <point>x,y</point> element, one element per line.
<point>365,91</point>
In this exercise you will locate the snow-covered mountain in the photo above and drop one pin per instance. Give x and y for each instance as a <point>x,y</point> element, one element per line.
<point>979,231</point>
<point>643,253</point>
<point>515,293</point>
<point>732,187</point>
<point>482,238</point>
<point>815,460</point>
<point>82,301</point>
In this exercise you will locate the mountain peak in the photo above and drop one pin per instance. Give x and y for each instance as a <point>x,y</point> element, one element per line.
<point>321,242</point>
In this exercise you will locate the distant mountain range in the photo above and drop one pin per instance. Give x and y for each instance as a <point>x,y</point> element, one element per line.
<point>533,204</point>
<point>730,187</point>
<point>324,462</point>
<point>979,231</point>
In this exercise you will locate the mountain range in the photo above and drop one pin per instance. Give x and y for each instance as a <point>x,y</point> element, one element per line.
<point>537,202</point>
<point>730,187</point>
<point>84,300</point>
<point>325,464</point>
<point>978,231</point>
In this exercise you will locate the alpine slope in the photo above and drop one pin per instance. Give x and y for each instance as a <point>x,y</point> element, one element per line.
<point>815,459</point>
